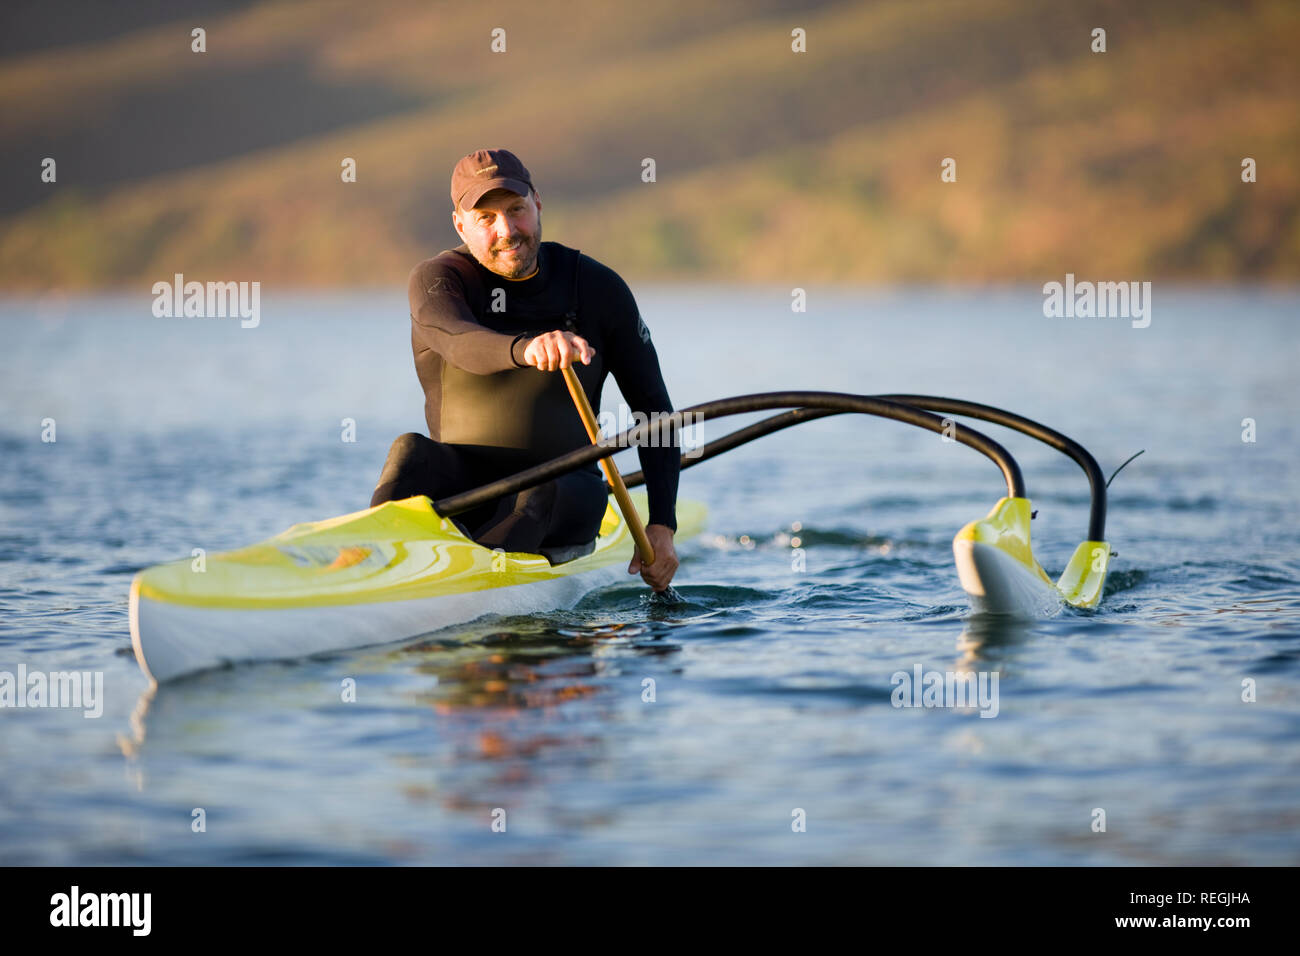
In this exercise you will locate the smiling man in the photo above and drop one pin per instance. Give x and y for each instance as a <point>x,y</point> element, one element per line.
<point>492,322</point>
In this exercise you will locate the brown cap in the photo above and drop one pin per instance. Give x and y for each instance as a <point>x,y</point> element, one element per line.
<point>485,170</point>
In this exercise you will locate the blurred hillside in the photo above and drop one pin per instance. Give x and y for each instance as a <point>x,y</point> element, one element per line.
<point>771,165</point>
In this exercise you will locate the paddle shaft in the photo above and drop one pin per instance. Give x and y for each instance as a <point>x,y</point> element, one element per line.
<point>611,470</point>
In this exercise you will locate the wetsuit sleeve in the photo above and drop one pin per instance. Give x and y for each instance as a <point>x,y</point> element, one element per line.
<point>444,322</point>
<point>631,358</point>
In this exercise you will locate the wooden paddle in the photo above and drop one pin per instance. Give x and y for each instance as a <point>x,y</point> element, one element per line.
<point>611,470</point>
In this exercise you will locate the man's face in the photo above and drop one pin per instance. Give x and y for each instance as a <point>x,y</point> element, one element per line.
<point>503,232</point>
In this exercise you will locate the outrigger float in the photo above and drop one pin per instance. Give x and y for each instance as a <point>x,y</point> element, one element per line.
<point>405,569</point>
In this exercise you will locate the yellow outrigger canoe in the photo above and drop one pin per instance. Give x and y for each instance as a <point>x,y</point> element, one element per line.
<point>401,569</point>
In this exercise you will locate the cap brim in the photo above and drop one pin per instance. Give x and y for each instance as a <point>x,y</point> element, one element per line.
<point>479,190</point>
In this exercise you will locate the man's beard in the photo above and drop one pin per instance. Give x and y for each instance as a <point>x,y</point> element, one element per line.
<point>524,265</point>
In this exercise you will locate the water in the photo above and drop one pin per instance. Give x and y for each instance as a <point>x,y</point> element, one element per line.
<point>772,684</point>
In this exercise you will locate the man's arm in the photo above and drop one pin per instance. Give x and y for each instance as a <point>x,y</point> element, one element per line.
<point>443,321</point>
<point>631,358</point>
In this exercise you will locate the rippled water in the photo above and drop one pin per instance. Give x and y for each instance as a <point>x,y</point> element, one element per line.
<point>772,684</point>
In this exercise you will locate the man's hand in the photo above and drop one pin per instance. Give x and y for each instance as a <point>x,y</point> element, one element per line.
<point>660,574</point>
<point>552,351</point>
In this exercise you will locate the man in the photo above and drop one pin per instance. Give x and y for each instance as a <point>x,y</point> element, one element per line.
<point>492,322</point>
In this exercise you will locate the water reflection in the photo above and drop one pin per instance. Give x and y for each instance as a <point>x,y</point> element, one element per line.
<point>988,637</point>
<point>131,743</point>
<point>529,667</point>
<point>505,704</point>
<point>518,707</point>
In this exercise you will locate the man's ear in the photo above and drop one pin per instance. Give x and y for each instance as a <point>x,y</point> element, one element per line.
<point>455,221</point>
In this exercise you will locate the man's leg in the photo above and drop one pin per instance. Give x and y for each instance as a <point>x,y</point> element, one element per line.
<point>520,520</point>
<point>416,465</point>
<point>563,512</point>
<point>580,502</point>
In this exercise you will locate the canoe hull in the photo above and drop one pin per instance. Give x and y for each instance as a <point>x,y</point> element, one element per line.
<point>392,572</point>
<point>171,640</point>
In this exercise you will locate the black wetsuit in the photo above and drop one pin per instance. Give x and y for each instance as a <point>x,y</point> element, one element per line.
<point>489,415</point>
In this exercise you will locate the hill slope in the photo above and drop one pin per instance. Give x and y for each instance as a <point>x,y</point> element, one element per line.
<point>771,165</point>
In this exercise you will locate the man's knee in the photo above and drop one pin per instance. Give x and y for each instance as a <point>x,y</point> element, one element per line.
<point>406,470</point>
<point>410,445</point>
<point>578,508</point>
